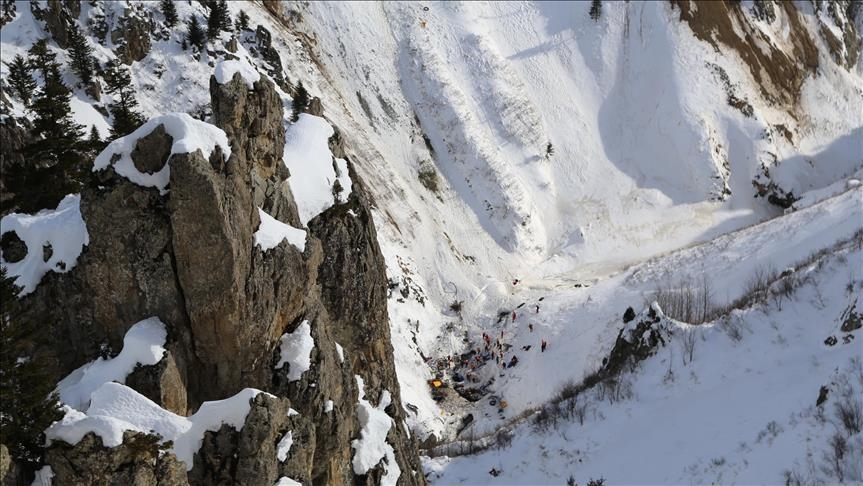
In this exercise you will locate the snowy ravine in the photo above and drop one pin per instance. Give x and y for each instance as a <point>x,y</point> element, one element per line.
<point>534,172</point>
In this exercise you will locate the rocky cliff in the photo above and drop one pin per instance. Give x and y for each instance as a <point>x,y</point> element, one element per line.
<point>188,256</point>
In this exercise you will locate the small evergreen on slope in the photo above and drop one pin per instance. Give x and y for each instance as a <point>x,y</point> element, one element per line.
<point>124,110</point>
<point>596,9</point>
<point>242,23</point>
<point>300,102</point>
<point>169,10</point>
<point>219,19</point>
<point>41,58</point>
<point>21,79</point>
<point>79,52</point>
<point>29,405</point>
<point>195,35</point>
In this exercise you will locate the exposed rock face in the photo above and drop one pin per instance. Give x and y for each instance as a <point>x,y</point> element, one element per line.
<point>262,44</point>
<point>10,473</point>
<point>779,73</point>
<point>14,136</point>
<point>152,151</point>
<point>638,339</point>
<point>136,462</point>
<point>58,17</point>
<point>132,37</point>
<point>189,258</point>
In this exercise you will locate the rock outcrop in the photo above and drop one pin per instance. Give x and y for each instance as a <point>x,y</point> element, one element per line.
<point>188,257</point>
<point>138,461</point>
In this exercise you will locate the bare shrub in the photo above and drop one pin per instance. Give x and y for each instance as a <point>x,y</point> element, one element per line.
<point>688,341</point>
<point>579,409</point>
<point>849,409</point>
<point>834,456</point>
<point>733,327</point>
<point>503,439</point>
<point>428,176</point>
<point>689,300</point>
<point>757,288</point>
<point>568,390</point>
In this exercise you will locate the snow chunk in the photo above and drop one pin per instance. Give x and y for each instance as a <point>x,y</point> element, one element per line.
<point>143,344</point>
<point>225,71</point>
<point>307,155</point>
<point>271,232</point>
<point>372,445</point>
<point>284,446</point>
<point>296,349</point>
<point>341,352</point>
<point>115,408</point>
<point>286,481</point>
<point>292,412</point>
<point>189,136</point>
<point>44,477</point>
<point>328,406</point>
<point>62,228</point>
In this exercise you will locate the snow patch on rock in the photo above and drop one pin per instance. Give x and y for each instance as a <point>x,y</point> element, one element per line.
<point>63,229</point>
<point>372,445</point>
<point>143,344</point>
<point>189,136</point>
<point>296,349</point>
<point>308,157</point>
<point>271,232</point>
<point>286,481</point>
<point>225,71</point>
<point>284,446</point>
<point>116,408</point>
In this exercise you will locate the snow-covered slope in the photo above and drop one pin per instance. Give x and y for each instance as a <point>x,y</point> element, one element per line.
<point>525,153</point>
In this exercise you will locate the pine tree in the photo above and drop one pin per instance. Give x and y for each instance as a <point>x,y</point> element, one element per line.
<point>242,23</point>
<point>21,79</point>
<point>126,117</point>
<point>196,36</point>
<point>41,58</point>
<point>28,406</point>
<point>300,102</point>
<point>169,10</point>
<point>53,114</point>
<point>218,19</point>
<point>56,158</point>
<point>7,11</point>
<point>596,9</point>
<point>95,137</point>
<point>79,52</point>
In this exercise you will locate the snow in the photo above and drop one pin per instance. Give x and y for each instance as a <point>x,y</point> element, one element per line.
<point>63,229</point>
<point>292,412</point>
<point>779,362</point>
<point>328,406</point>
<point>225,71</point>
<point>372,447</point>
<point>189,135</point>
<point>271,232</point>
<point>296,350</point>
<point>143,344</point>
<point>44,477</point>
<point>644,141</point>
<point>284,446</point>
<point>286,481</point>
<point>115,408</point>
<point>308,157</point>
<point>341,352</point>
